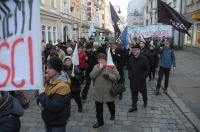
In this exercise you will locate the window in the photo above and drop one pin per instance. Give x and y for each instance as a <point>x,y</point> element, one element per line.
<point>53,3</point>
<point>42,1</point>
<point>44,33</point>
<point>54,34</point>
<point>49,33</point>
<point>65,7</point>
<point>188,2</point>
<point>197,41</point>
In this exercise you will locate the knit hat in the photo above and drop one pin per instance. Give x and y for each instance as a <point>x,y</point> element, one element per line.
<point>102,56</point>
<point>67,57</point>
<point>55,63</point>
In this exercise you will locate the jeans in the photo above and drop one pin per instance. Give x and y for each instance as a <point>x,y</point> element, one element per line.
<point>163,71</point>
<point>54,129</point>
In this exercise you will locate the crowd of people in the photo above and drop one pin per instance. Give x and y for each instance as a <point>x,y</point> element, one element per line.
<point>64,80</point>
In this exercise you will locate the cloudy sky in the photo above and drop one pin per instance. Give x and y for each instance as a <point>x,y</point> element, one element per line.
<point>123,6</point>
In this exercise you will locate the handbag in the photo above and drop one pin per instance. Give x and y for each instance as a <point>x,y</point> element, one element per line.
<point>117,89</point>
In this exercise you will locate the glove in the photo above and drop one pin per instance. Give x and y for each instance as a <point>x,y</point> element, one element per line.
<point>106,76</point>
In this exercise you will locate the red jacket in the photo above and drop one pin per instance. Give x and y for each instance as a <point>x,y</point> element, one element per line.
<point>82,60</point>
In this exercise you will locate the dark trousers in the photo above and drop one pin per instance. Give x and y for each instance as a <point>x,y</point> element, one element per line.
<point>134,94</point>
<point>77,98</point>
<point>82,74</point>
<point>153,71</point>
<point>86,88</point>
<point>99,110</point>
<point>163,71</point>
<point>55,129</point>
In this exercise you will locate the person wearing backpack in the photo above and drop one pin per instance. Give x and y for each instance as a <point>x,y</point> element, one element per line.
<point>167,60</point>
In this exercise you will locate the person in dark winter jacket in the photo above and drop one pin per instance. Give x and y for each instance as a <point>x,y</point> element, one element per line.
<point>10,111</point>
<point>75,76</point>
<point>138,72</point>
<point>153,61</point>
<point>92,54</point>
<point>54,100</point>
<point>118,55</point>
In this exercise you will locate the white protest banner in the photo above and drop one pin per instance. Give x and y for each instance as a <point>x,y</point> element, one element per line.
<point>150,31</point>
<point>20,48</point>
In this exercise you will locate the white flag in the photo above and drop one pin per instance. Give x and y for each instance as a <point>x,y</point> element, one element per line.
<point>75,59</point>
<point>91,30</point>
<point>110,63</point>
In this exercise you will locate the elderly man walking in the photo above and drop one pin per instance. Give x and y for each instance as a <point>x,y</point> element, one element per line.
<point>138,72</point>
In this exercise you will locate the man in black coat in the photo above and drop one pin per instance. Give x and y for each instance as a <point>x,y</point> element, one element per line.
<point>118,55</point>
<point>138,72</point>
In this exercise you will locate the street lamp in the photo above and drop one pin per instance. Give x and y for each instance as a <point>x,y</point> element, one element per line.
<point>118,10</point>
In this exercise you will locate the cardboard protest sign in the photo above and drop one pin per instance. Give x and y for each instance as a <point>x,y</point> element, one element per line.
<point>20,48</point>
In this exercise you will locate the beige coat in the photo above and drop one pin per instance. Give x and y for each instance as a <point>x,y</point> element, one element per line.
<point>102,86</point>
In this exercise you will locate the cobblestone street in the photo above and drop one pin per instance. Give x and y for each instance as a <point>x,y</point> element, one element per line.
<point>161,115</point>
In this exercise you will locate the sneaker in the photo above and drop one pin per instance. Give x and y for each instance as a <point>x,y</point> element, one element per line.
<point>157,91</point>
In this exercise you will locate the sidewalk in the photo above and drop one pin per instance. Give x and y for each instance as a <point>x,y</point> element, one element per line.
<point>161,115</point>
<point>185,86</point>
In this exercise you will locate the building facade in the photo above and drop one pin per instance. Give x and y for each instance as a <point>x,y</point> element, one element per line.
<point>191,11</point>
<point>135,13</point>
<point>151,18</point>
<point>70,19</point>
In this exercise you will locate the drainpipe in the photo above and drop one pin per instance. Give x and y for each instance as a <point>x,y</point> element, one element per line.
<point>179,34</point>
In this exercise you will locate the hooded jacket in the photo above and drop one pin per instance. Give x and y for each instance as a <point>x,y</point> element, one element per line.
<point>56,101</point>
<point>10,111</point>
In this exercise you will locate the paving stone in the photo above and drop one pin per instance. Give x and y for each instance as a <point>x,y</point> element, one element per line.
<point>155,125</point>
<point>171,121</point>
<point>171,126</point>
<point>144,124</point>
<point>147,130</point>
<point>165,130</point>
<point>156,130</point>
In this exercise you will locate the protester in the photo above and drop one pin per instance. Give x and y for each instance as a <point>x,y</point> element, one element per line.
<point>153,61</point>
<point>118,56</point>
<point>104,78</point>
<point>54,100</point>
<point>167,60</point>
<point>69,51</point>
<point>75,76</point>
<point>138,72</point>
<point>82,61</point>
<point>61,53</point>
<point>92,54</point>
<point>10,111</point>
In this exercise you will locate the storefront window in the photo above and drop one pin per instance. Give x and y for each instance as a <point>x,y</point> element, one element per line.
<point>188,39</point>
<point>197,40</point>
